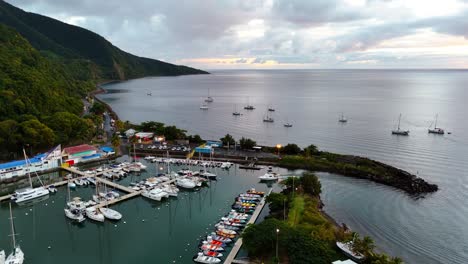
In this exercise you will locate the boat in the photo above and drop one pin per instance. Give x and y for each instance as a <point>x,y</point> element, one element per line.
<point>93,214</point>
<point>71,185</point>
<point>185,183</point>
<point>220,238</point>
<point>255,192</point>
<point>17,256</point>
<point>29,193</point>
<point>209,99</point>
<point>52,189</point>
<point>208,175</point>
<point>211,253</point>
<point>235,112</point>
<point>2,256</point>
<point>206,246</point>
<point>170,189</point>
<point>269,177</point>
<point>347,249</point>
<point>149,93</point>
<point>268,119</point>
<point>436,130</point>
<point>249,106</point>
<point>342,119</point>
<point>110,213</point>
<point>204,106</point>
<point>200,258</point>
<point>74,215</point>
<point>399,131</point>
<point>287,125</point>
<point>155,194</point>
<point>271,109</point>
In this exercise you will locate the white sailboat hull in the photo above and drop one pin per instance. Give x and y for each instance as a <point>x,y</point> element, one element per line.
<point>110,214</point>
<point>17,257</point>
<point>75,217</point>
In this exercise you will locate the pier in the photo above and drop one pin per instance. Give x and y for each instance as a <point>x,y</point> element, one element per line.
<point>237,246</point>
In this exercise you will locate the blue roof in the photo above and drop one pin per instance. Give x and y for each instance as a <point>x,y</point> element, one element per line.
<point>17,163</point>
<point>107,149</point>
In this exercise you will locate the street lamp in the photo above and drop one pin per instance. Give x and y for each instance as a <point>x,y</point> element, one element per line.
<point>277,232</point>
<point>278,146</point>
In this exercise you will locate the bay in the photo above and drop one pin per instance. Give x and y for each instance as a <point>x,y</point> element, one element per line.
<point>429,230</point>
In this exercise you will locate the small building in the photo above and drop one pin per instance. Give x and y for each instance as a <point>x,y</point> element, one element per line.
<point>107,150</point>
<point>144,136</point>
<point>214,144</point>
<point>80,153</point>
<point>129,133</point>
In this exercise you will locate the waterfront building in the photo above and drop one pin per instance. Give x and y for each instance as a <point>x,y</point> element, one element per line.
<point>80,153</point>
<point>37,164</point>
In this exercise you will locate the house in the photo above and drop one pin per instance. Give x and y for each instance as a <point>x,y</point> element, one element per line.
<point>129,133</point>
<point>80,153</point>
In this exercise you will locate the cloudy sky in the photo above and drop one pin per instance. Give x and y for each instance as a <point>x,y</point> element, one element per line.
<point>212,34</point>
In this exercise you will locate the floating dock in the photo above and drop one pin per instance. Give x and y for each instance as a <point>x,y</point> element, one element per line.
<point>237,246</point>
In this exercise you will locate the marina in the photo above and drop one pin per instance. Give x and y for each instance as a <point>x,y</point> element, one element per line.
<point>173,223</point>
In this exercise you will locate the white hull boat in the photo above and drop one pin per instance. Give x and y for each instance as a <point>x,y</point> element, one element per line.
<point>200,258</point>
<point>185,183</point>
<point>17,257</point>
<point>155,194</point>
<point>110,214</point>
<point>27,194</point>
<point>347,250</point>
<point>94,214</point>
<point>269,177</point>
<point>74,215</point>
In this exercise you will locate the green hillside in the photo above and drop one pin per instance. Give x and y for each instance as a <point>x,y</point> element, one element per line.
<point>79,46</point>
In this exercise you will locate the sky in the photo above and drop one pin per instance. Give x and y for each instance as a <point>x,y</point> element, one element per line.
<point>276,34</point>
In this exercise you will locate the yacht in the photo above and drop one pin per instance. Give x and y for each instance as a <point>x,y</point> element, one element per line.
<point>29,193</point>
<point>17,256</point>
<point>436,130</point>
<point>94,214</point>
<point>74,215</point>
<point>269,176</point>
<point>185,183</point>
<point>155,194</point>
<point>249,107</point>
<point>268,119</point>
<point>288,125</point>
<point>399,131</point>
<point>342,119</point>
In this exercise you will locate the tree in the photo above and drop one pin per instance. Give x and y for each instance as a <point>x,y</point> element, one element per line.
<point>311,150</point>
<point>116,143</point>
<point>97,108</point>
<point>36,134</point>
<point>228,140</point>
<point>311,184</point>
<point>277,201</point>
<point>151,126</point>
<point>247,143</point>
<point>195,139</point>
<point>260,239</point>
<point>291,149</point>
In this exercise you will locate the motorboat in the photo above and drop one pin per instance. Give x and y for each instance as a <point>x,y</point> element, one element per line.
<point>155,194</point>
<point>93,214</point>
<point>220,238</point>
<point>206,246</point>
<point>200,258</point>
<point>399,131</point>
<point>236,113</point>
<point>29,193</point>
<point>347,249</point>
<point>208,175</point>
<point>269,177</point>
<point>224,230</point>
<point>253,191</point>
<point>211,253</point>
<point>185,183</point>
<point>436,130</point>
<point>226,235</point>
<point>74,215</point>
<point>249,107</point>
<point>110,213</point>
<point>287,125</point>
<point>52,189</point>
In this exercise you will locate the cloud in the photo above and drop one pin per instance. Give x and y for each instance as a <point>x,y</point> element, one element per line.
<point>275,33</point>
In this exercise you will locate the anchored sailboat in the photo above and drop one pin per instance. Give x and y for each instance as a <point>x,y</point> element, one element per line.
<point>17,256</point>
<point>209,99</point>
<point>235,112</point>
<point>399,131</point>
<point>268,119</point>
<point>249,106</point>
<point>436,130</point>
<point>343,119</point>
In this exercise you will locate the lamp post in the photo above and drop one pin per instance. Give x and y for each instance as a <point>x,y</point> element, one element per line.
<point>277,232</point>
<point>278,146</point>
<point>284,209</point>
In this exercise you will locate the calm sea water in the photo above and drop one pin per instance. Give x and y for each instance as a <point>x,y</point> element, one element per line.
<point>149,232</point>
<point>429,230</point>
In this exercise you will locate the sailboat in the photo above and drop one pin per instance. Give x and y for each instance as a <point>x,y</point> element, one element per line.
<point>204,106</point>
<point>287,124</point>
<point>149,93</point>
<point>29,193</point>
<point>74,209</point>
<point>236,113</point>
<point>17,256</point>
<point>271,109</point>
<point>209,99</point>
<point>436,130</point>
<point>342,119</point>
<point>398,131</point>
<point>249,106</point>
<point>268,119</point>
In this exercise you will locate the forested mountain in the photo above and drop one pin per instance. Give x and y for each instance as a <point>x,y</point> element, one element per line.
<point>81,46</point>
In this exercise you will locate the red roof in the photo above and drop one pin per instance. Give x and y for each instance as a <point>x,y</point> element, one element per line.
<point>78,149</point>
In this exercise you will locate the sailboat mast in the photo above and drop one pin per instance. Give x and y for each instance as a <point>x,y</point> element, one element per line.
<point>399,119</point>
<point>12,230</point>
<point>27,167</point>
<point>435,125</point>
